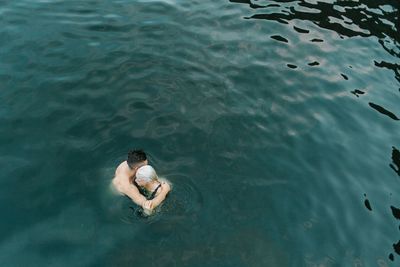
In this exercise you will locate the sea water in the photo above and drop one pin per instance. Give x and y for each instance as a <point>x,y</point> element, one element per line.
<point>276,121</point>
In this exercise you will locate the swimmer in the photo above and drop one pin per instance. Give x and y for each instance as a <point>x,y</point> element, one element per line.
<point>126,181</point>
<point>148,182</point>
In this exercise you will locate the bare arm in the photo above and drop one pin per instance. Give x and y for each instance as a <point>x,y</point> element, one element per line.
<point>133,193</point>
<point>165,188</point>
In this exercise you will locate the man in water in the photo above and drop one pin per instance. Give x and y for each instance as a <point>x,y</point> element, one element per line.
<point>124,182</point>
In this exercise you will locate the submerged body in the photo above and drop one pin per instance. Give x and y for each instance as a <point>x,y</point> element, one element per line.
<point>124,183</point>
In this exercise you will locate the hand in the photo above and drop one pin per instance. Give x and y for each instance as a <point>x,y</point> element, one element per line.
<point>165,186</point>
<point>148,205</point>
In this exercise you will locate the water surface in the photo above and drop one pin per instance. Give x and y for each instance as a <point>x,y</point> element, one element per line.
<point>276,121</point>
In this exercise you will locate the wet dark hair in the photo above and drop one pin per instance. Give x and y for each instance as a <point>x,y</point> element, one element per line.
<point>135,156</point>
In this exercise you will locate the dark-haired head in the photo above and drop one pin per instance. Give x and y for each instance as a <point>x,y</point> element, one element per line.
<point>136,158</point>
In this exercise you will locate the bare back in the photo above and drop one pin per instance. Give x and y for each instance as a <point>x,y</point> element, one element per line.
<point>123,175</point>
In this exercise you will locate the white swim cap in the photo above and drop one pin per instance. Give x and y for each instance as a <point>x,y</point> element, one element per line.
<point>145,174</point>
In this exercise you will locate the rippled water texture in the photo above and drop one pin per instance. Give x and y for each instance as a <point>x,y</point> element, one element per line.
<point>276,121</point>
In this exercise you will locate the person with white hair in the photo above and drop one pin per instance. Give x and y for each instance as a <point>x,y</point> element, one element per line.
<point>147,181</point>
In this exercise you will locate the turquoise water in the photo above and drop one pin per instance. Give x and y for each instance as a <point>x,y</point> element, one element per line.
<point>276,122</point>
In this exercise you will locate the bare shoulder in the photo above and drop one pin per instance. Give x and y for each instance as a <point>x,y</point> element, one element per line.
<point>117,183</point>
<point>121,179</point>
<point>121,168</point>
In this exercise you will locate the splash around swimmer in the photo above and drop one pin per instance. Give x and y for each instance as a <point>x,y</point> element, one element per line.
<point>139,181</point>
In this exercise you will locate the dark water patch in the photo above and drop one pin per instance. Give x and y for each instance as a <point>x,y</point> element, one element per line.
<point>391,257</point>
<point>4,78</point>
<point>17,21</point>
<point>279,38</point>
<point>391,46</point>
<point>347,19</point>
<point>81,11</point>
<point>366,203</point>
<point>395,212</point>
<point>138,105</point>
<point>54,44</point>
<point>383,111</point>
<point>187,198</point>
<point>391,66</point>
<point>292,66</point>
<point>315,63</point>
<point>253,5</point>
<point>110,28</point>
<point>246,2</point>
<point>361,16</point>
<point>300,30</point>
<point>70,35</point>
<point>315,40</point>
<point>344,76</point>
<point>396,160</point>
<point>357,92</point>
<point>396,247</point>
<point>269,17</point>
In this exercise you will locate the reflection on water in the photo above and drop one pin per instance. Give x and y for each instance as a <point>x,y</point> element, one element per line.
<point>346,18</point>
<point>384,111</point>
<point>367,203</point>
<point>395,165</point>
<point>357,92</point>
